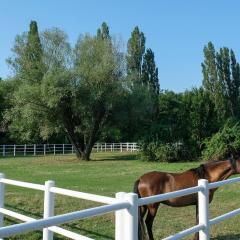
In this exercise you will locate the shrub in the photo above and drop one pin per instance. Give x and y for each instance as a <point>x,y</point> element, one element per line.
<point>224,142</point>
<point>162,152</point>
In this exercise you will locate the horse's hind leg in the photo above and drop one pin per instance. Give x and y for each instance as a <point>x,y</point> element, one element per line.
<point>152,211</point>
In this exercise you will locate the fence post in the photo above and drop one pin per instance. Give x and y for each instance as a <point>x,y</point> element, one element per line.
<point>14,150</point>
<point>127,146</point>
<point>25,148</point>
<point>2,193</point>
<point>34,149</point>
<point>4,151</point>
<point>119,218</point>
<point>121,147</point>
<point>131,217</point>
<point>72,149</point>
<point>44,149</point>
<point>63,149</point>
<point>105,147</point>
<point>54,149</point>
<point>48,208</point>
<point>203,209</point>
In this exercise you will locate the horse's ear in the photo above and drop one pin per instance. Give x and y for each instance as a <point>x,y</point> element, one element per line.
<point>235,155</point>
<point>201,171</point>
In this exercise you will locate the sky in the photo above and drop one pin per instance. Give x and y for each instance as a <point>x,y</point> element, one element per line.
<point>176,30</point>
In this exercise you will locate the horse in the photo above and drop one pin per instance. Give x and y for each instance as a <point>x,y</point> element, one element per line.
<point>153,183</point>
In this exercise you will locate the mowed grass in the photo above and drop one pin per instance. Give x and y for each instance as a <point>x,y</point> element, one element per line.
<point>106,174</point>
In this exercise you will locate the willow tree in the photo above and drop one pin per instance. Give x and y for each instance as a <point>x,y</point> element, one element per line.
<point>76,94</point>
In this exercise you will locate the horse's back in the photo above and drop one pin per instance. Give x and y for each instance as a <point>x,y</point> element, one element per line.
<point>153,183</point>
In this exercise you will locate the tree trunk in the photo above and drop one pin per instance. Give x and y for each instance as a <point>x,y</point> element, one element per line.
<point>79,147</point>
<point>86,155</point>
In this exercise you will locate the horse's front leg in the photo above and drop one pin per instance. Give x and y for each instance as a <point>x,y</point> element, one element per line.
<point>196,236</point>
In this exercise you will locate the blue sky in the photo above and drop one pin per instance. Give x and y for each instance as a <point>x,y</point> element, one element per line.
<point>175,30</point>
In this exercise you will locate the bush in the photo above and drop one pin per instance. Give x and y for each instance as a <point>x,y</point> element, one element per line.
<point>162,152</point>
<point>224,142</point>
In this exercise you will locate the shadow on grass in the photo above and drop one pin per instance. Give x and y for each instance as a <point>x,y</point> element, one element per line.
<point>128,157</point>
<point>71,226</point>
<point>227,237</point>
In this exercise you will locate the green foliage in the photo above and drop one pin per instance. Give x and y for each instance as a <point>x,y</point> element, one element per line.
<point>6,90</point>
<point>169,122</point>
<point>224,142</point>
<point>150,71</point>
<point>200,118</point>
<point>222,80</point>
<point>94,91</point>
<point>27,61</point>
<point>76,95</point>
<point>163,152</point>
<point>136,112</point>
<point>135,51</point>
<point>103,32</point>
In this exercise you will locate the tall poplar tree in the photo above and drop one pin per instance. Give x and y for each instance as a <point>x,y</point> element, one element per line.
<point>135,51</point>
<point>150,71</point>
<point>229,77</point>
<point>28,59</point>
<point>221,79</point>
<point>103,32</point>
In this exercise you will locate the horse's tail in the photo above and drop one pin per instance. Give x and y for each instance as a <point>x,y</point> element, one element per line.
<point>141,231</point>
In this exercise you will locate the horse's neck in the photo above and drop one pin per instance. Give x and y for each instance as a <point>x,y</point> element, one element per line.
<point>220,171</point>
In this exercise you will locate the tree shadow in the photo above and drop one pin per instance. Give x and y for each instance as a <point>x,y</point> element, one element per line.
<point>227,237</point>
<point>70,226</point>
<point>88,232</point>
<point>128,157</point>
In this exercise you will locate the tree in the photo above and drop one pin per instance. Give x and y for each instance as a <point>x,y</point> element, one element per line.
<point>135,51</point>
<point>29,68</point>
<point>221,78</point>
<point>77,93</point>
<point>2,109</point>
<point>229,76</point>
<point>200,118</point>
<point>137,112</point>
<point>103,32</point>
<point>28,62</point>
<point>150,71</point>
<point>6,90</point>
<point>169,122</point>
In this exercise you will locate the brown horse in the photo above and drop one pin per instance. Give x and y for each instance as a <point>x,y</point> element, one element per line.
<point>154,183</point>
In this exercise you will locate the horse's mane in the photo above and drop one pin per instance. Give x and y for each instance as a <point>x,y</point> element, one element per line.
<point>199,171</point>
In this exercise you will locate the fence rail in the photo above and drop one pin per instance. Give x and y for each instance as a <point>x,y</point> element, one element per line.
<point>61,149</point>
<point>125,206</point>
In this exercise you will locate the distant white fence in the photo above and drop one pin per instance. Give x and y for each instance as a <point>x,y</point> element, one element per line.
<point>125,206</point>
<point>61,149</point>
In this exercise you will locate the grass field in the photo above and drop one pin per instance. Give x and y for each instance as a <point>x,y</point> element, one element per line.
<point>106,174</point>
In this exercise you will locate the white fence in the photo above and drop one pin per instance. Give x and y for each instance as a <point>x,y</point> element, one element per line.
<point>43,149</point>
<point>125,206</point>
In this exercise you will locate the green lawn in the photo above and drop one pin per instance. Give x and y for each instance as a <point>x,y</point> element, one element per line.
<point>106,174</point>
